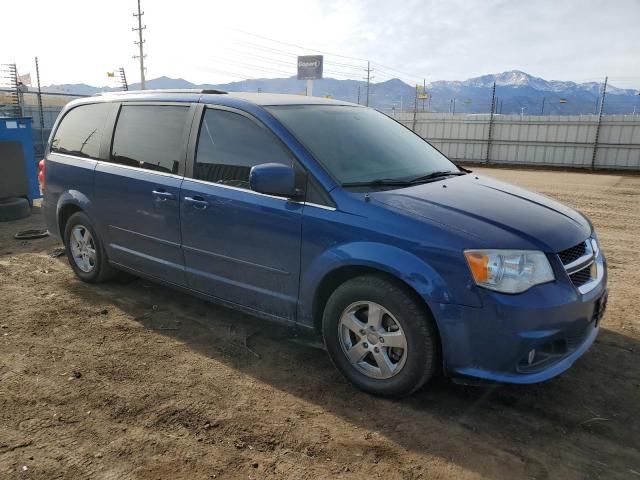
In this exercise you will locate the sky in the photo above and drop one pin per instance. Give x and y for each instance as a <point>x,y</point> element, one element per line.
<point>78,41</point>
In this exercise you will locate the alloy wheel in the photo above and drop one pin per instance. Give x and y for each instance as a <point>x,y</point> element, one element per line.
<point>373,340</point>
<point>83,248</point>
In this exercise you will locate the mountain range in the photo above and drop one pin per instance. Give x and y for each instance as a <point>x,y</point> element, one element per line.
<point>516,92</point>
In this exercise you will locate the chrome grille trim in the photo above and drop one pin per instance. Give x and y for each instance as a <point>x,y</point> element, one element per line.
<point>577,268</point>
<point>587,287</point>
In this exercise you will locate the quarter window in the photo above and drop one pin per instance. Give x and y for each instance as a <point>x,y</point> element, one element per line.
<point>150,137</point>
<point>229,144</point>
<point>80,131</point>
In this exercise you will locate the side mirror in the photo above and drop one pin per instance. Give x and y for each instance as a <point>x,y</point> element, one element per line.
<point>274,179</point>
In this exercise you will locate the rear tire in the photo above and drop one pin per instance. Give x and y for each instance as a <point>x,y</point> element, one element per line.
<point>380,337</point>
<point>14,208</point>
<point>85,250</point>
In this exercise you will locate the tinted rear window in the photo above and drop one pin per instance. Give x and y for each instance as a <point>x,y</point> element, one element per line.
<point>80,131</point>
<point>150,136</point>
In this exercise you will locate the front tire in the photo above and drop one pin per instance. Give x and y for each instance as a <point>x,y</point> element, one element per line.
<point>85,251</point>
<point>379,337</point>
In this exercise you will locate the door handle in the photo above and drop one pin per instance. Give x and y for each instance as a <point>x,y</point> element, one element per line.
<point>162,195</point>
<point>196,202</point>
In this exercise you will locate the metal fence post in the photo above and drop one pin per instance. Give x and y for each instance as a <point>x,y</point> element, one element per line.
<point>600,113</point>
<point>40,109</point>
<point>415,111</point>
<point>493,107</point>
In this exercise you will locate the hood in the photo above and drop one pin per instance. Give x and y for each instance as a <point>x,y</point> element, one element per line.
<point>495,214</point>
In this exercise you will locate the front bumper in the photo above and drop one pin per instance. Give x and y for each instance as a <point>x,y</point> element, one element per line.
<point>525,338</point>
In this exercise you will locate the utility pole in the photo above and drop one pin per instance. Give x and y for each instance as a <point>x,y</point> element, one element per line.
<point>542,109</point>
<point>424,91</point>
<point>140,43</point>
<point>369,78</point>
<point>358,94</point>
<point>40,109</point>
<point>600,113</point>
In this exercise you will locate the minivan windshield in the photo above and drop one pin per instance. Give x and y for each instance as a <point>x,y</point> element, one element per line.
<point>360,146</point>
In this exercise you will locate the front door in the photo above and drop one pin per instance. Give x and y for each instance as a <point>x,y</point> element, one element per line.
<point>240,246</point>
<point>138,189</point>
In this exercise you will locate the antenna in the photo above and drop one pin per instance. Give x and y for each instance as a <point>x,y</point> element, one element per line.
<point>123,79</point>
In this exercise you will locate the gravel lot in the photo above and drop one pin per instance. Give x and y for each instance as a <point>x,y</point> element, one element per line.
<point>132,380</point>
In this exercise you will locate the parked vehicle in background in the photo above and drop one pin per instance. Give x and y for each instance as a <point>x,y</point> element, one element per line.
<point>333,217</point>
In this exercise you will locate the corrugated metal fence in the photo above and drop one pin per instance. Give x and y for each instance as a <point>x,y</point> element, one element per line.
<point>558,141</point>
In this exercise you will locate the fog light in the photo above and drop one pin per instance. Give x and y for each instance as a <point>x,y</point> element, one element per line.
<point>532,355</point>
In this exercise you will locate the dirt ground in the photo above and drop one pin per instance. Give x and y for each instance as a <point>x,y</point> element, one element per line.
<point>132,380</point>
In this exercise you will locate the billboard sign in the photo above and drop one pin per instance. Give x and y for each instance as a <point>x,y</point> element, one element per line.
<point>310,67</point>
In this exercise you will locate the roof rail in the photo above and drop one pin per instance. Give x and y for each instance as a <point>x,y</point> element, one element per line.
<point>167,90</point>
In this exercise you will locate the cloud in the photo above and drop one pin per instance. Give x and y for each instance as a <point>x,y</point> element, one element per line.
<point>581,40</point>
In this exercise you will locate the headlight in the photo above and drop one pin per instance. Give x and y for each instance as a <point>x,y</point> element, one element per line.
<point>509,271</point>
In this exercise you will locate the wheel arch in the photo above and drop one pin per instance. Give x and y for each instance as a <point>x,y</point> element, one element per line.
<point>69,203</point>
<point>63,216</point>
<point>336,265</point>
<point>339,276</point>
<point>333,279</point>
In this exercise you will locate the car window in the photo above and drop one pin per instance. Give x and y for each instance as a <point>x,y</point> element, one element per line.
<point>150,137</point>
<point>80,131</point>
<point>229,144</point>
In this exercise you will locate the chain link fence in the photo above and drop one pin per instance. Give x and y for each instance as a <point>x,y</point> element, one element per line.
<point>43,121</point>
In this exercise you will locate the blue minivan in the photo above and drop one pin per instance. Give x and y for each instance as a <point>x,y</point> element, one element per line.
<point>330,216</point>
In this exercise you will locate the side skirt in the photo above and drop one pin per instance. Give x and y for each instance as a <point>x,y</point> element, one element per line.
<point>219,301</point>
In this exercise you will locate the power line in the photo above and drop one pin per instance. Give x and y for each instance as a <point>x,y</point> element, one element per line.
<point>243,76</point>
<point>333,69</point>
<point>341,68</point>
<point>298,46</point>
<point>387,70</point>
<point>245,44</point>
<point>327,53</point>
<point>251,65</point>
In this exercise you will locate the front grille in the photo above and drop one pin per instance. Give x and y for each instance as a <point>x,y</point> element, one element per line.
<point>581,277</point>
<point>583,254</point>
<point>575,340</point>
<point>572,254</point>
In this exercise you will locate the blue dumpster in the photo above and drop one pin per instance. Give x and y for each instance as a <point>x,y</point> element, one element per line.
<point>18,169</point>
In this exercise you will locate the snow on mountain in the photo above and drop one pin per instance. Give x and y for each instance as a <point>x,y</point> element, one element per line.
<point>515,90</point>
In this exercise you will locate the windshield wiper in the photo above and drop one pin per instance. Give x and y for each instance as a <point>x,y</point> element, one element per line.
<point>380,182</point>
<point>391,182</point>
<point>433,175</point>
